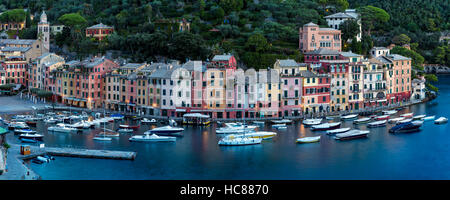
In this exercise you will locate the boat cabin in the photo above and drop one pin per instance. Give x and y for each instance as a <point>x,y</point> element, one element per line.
<point>196,119</point>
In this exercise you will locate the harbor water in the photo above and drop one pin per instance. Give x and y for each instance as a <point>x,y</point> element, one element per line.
<point>196,155</point>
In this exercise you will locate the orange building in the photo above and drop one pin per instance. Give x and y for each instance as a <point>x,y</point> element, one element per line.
<point>99,31</point>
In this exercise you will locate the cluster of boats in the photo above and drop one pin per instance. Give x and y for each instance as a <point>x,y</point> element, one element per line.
<point>242,134</point>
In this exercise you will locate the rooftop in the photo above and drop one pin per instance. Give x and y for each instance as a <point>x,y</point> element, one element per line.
<point>288,63</point>
<point>322,51</point>
<point>99,26</point>
<point>349,54</point>
<point>21,49</point>
<point>16,41</point>
<point>224,57</point>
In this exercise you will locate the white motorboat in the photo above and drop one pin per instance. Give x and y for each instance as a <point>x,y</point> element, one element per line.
<point>362,120</point>
<point>389,112</point>
<point>125,130</point>
<point>240,126</point>
<point>281,127</point>
<point>441,120</point>
<point>50,120</point>
<point>108,134</point>
<point>308,139</point>
<point>258,134</point>
<point>24,131</point>
<point>259,122</point>
<point>62,128</point>
<point>349,117</point>
<point>377,123</point>
<point>81,125</point>
<point>395,120</point>
<point>419,117</point>
<point>167,130</point>
<point>147,137</point>
<point>230,130</point>
<point>17,125</point>
<point>116,117</point>
<point>148,121</point>
<point>311,122</point>
<point>283,121</point>
<point>429,118</point>
<point>353,134</point>
<point>32,136</point>
<point>278,125</point>
<point>404,121</point>
<point>407,115</point>
<point>326,126</point>
<point>239,141</point>
<point>339,130</point>
<point>102,138</point>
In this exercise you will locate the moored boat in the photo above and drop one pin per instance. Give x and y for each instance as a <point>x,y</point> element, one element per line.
<point>429,118</point>
<point>419,117</point>
<point>353,134</point>
<point>407,115</point>
<point>125,130</point>
<point>24,131</point>
<point>349,117</point>
<point>282,121</point>
<point>168,130</point>
<point>311,122</point>
<point>239,141</point>
<point>148,121</point>
<point>382,117</point>
<point>326,126</point>
<point>441,120</point>
<point>32,136</point>
<point>258,134</point>
<point>395,120</point>
<point>31,123</point>
<point>406,127</point>
<point>308,139</point>
<point>62,128</point>
<point>135,127</point>
<point>278,125</point>
<point>404,121</point>
<point>377,123</point>
<point>25,140</point>
<point>362,120</point>
<point>389,112</point>
<point>259,122</point>
<point>147,137</point>
<point>339,130</point>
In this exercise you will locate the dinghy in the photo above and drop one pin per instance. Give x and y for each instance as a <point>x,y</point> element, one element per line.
<point>362,120</point>
<point>308,139</point>
<point>377,124</point>
<point>336,131</point>
<point>326,126</point>
<point>441,120</point>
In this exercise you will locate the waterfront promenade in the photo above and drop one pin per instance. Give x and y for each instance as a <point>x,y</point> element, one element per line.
<point>16,167</point>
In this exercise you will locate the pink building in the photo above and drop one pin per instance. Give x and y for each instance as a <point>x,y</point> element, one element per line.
<point>312,37</point>
<point>15,69</point>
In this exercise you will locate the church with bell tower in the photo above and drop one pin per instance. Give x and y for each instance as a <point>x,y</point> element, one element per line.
<point>44,32</point>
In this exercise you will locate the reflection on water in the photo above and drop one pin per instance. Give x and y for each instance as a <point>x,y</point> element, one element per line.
<point>421,155</point>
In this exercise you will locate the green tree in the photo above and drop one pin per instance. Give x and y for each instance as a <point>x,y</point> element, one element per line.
<point>72,19</point>
<point>15,15</point>
<point>349,29</point>
<point>371,15</point>
<point>401,39</point>
<point>257,43</point>
<point>231,5</point>
<point>185,45</point>
<point>417,59</point>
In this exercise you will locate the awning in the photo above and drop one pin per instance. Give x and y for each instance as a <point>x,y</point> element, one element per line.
<point>392,97</point>
<point>180,110</point>
<point>383,100</point>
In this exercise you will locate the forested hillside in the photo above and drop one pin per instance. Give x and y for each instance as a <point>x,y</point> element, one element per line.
<point>256,31</point>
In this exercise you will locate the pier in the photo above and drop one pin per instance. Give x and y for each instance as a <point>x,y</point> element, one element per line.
<point>81,153</point>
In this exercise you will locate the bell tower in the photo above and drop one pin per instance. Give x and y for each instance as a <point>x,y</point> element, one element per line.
<point>44,32</point>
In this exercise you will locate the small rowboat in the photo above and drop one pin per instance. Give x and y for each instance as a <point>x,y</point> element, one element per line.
<point>377,123</point>
<point>326,126</point>
<point>441,120</point>
<point>383,117</point>
<point>136,127</point>
<point>349,117</point>
<point>419,117</point>
<point>308,139</point>
<point>407,115</point>
<point>429,118</point>
<point>362,120</point>
<point>395,120</point>
<point>353,134</point>
<point>336,131</point>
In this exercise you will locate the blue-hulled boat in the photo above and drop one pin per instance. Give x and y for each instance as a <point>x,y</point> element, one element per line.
<point>412,126</point>
<point>25,140</point>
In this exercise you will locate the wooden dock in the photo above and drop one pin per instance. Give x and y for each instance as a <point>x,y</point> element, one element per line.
<point>82,153</point>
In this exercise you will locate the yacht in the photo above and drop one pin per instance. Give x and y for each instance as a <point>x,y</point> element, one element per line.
<point>62,128</point>
<point>148,137</point>
<point>167,130</point>
<point>412,126</point>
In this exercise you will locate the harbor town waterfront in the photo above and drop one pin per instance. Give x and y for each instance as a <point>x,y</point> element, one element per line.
<point>196,155</point>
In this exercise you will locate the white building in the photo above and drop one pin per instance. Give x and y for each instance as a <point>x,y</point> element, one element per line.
<point>418,89</point>
<point>335,20</point>
<point>379,51</point>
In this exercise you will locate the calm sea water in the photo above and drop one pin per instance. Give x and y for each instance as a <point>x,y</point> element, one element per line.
<point>421,155</point>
